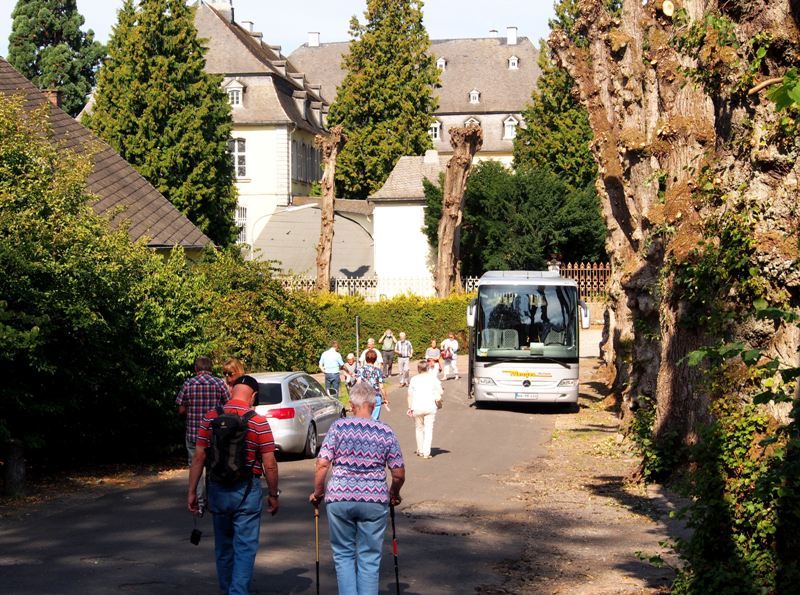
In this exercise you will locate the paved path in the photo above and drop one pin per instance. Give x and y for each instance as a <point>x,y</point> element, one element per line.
<point>454,525</point>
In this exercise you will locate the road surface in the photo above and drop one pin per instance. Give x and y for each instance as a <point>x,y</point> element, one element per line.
<point>459,519</point>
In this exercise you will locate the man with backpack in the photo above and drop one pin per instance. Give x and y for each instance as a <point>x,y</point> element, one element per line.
<point>236,447</point>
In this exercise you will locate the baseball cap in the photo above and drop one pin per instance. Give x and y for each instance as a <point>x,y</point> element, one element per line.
<point>249,381</point>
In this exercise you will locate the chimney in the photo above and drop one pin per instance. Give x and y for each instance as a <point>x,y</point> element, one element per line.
<point>431,157</point>
<point>53,96</point>
<point>223,7</point>
<point>313,39</point>
<point>511,36</point>
<point>492,32</point>
<point>249,25</point>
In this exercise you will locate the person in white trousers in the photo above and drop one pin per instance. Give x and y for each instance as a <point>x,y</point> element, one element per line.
<point>423,393</point>
<point>449,347</point>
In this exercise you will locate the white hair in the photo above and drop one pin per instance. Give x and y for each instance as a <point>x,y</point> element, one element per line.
<point>362,394</point>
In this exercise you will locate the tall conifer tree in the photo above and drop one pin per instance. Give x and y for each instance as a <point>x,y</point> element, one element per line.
<point>385,102</point>
<point>163,113</point>
<point>48,47</point>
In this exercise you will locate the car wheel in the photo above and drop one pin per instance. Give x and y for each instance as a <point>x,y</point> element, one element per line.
<point>311,442</point>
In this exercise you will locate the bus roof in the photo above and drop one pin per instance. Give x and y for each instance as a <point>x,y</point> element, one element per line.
<point>525,278</point>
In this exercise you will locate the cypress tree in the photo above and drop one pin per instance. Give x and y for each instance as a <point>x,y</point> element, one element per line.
<point>162,112</point>
<point>385,102</point>
<point>48,47</point>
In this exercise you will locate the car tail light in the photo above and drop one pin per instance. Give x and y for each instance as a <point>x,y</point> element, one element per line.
<point>280,413</point>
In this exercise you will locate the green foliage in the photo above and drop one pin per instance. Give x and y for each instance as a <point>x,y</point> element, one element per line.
<point>48,47</point>
<point>660,456</point>
<point>518,220</point>
<point>557,131</point>
<point>422,319</point>
<point>712,42</point>
<point>745,483</point>
<point>385,102</point>
<point>567,12</point>
<point>165,115</point>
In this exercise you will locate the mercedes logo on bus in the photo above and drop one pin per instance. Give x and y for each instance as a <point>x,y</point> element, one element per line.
<point>526,383</point>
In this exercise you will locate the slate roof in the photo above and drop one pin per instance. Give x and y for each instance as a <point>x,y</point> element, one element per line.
<point>119,188</point>
<point>476,63</point>
<point>342,205</point>
<point>405,181</point>
<point>291,237</point>
<point>271,94</point>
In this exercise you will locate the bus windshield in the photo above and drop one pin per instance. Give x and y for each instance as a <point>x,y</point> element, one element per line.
<point>527,322</point>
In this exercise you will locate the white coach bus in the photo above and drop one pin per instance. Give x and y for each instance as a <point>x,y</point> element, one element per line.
<point>523,344</point>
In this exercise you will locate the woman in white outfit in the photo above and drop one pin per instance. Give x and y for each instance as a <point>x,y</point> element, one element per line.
<point>449,347</point>
<point>423,393</point>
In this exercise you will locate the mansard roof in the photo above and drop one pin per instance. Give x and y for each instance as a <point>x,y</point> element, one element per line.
<point>476,63</point>
<point>271,81</point>
<point>120,190</point>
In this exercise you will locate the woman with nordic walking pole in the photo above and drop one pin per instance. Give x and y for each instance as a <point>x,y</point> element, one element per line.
<point>356,452</point>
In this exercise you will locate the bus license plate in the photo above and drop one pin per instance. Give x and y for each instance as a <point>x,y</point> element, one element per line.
<point>527,396</point>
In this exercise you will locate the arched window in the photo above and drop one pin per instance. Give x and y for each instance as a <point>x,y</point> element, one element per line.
<point>510,127</point>
<point>234,89</point>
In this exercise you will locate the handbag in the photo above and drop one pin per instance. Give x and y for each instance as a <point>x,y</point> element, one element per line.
<point>447,354</point>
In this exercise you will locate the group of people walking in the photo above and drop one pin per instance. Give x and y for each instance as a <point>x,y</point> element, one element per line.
<point>351,466</point>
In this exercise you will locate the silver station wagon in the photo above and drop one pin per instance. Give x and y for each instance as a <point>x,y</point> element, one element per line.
<point>298,409</point>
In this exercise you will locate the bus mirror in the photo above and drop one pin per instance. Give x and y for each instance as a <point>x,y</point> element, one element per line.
<point>471,314</point>
<point>584,315</point>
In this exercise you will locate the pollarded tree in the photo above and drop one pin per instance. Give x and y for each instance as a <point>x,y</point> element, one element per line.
<point>385,102</point>
<point>163,113</point>
<point>48,47</point>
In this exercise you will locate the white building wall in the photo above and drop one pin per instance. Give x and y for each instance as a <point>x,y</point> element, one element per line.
<point>402,258</point>
<point>266,185</point>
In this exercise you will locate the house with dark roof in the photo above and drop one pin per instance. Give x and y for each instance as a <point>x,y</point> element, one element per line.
<point>122,194</point>
<point>487,81</point>
<point>277,112</point>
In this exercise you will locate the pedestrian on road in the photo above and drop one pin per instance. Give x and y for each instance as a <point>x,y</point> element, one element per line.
<point>433,355</point>
<point>404,351</point>
<point>232,370</point>
<point>237,508</point>
<point>387,351</point>
<point>331,364</point>
<point>356,452</point>
<point>362,359</point>
<point>201,392</point>
<point>424,392</point>
<point>449,348</point>
<point>371,375</point>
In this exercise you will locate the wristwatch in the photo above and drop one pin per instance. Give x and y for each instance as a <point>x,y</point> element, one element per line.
<point>271,495</point>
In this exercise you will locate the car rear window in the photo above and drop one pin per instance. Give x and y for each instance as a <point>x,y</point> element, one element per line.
<point>269,394</point>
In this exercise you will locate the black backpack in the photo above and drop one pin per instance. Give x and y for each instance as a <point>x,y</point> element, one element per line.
<point>226,456</point>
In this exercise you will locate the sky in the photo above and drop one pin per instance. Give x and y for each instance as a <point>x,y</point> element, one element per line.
<point>287,23</point>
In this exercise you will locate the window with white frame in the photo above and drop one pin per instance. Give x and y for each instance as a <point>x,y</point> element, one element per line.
<point>471,121</point>
<point>474,96</point>
<point>441,64</point>
<point>510,127</point>
<point>435,130</point>
<point>241,224</point>
<point>235,97</point>
<point>236,150</point>
<point>513,63</point>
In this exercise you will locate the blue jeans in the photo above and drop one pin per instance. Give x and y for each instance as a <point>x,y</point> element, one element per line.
<point>332,381</point>
<point>376,413</point>
<point>356,530</point>
<point>237,523</point>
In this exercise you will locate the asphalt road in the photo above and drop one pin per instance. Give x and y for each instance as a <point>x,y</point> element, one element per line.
<point>456,522</point>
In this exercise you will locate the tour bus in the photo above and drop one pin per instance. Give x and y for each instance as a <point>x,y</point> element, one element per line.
<point>524,337</point>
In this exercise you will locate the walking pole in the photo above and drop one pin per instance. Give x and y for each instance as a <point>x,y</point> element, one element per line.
<point>316,537</point>
<point>394,550</point>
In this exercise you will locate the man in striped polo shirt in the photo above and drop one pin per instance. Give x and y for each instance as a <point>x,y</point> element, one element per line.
<point>237,509</point>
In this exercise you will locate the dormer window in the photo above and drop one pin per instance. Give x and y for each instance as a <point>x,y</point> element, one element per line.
<point>474,96</point>
<point>472,121</point>
<point>435,130</point>
<point>510,127</point>
<point>513,63</point>
<point>234,89</point>
<point>441,64</point>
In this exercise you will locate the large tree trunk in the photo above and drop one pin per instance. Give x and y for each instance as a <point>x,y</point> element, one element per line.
<point>661,141</point>
<point>14,475</point>
<point>466,141</point>
<point>330,145</point>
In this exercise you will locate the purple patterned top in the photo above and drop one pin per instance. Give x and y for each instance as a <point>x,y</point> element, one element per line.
<point>360,449</point>
<point>371,375</point>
